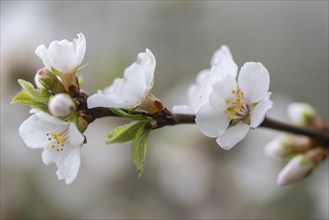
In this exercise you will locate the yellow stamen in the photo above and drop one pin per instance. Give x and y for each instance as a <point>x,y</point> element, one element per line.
<point>237,106</point>
<point>57,140</point>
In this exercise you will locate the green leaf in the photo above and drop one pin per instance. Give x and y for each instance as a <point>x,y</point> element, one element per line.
<point>38,95</point>
<point>124,114</point>
<point>126,132</point>
<point>23,98</point>
<point>139,148</point>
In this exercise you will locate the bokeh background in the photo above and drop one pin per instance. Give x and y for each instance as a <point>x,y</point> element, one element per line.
<point>186,175</point>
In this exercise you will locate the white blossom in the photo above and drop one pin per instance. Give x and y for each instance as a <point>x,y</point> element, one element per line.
<point>130,91</point>
<point>64,56</point>
<point>60,141</point>
<point>235,107</point>
<point>222,64</point>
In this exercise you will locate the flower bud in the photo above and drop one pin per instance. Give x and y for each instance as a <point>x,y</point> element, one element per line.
<point>41,73</point>
<point>301,166</point>
<point>61,105</point>
<point>284,147</point>
<point>300,113</point>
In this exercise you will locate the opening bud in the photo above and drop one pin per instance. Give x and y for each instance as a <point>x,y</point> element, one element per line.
<point>284,147</point>
<point>61,105</point>
<point>301,114</point>
<point>41,73</point>
<point>301,166</point>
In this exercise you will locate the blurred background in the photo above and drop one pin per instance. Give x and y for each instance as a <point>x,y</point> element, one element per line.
<point>186,174</point>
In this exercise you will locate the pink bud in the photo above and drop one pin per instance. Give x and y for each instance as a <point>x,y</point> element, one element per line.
<point>40,74</point>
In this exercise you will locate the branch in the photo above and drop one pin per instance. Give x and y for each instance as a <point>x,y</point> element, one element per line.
<point>166,118</point>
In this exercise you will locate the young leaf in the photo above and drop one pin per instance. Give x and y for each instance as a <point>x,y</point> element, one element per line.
<point>124,114</point>
<point>38,95</point>
<point>126,132</point>
<point>139,148</point>
<point>23,98</point>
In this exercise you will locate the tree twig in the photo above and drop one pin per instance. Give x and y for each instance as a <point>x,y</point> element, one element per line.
<point>165,119</point>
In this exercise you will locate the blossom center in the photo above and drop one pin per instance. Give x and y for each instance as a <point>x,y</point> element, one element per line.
<point>57,140</point>
<point>236,109</point>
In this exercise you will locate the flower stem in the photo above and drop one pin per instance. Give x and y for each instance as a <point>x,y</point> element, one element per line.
<point>161,120</point>
<point>321,137</point>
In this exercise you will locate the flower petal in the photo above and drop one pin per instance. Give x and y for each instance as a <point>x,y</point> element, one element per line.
<point>69,164</point>
<point>257,115</point>
<point>149,67</point>
<point>50,156</point>
<point>254,81</point>
<point>74,137</point>
<point>61,55</point>
<point>222,64</point>
<point>198,94</point>
<point>34,129</point>
<point>233,136</point>
<point>223,89</point>
<point>134,87</point>
<point>41,52</point>
<point>210,121</point>
<point>80,48</point>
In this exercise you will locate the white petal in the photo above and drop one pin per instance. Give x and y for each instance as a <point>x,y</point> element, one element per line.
<point>202,76</point>
<point>223,88</point>
<point>257,115</point>
<point>222,64</point>
<point>69,164</point>
<point>254,81</point>
<point>149,68</point>
<point>232,136</point>
<point>74,137</point>
<point>47,118</point>
<point>134,88</point>
<point>80,48</point>
<point>199,94</point>
<point>62,56</point>
<point>101,100</point>
<point>34,129</point>
<point>183,109</point>
<point>50,156</point>
<point>210,121</point>
<point>41,51</point>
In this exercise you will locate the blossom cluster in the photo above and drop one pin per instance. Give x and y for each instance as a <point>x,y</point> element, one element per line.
<point>227,103</point>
